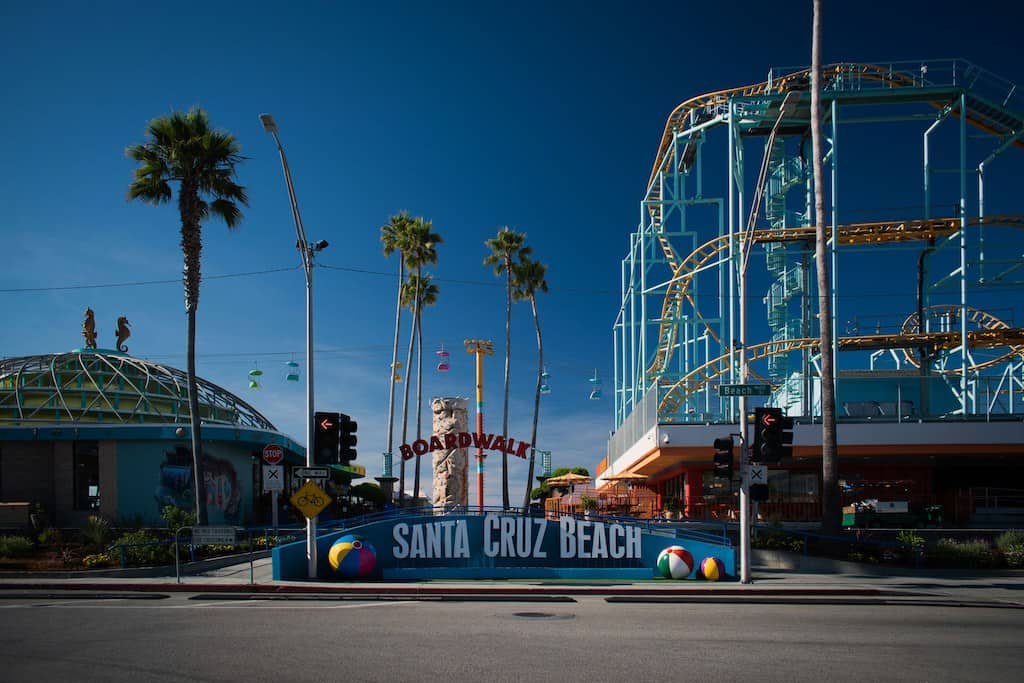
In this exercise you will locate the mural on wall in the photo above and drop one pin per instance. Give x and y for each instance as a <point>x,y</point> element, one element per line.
<point>223,489</point>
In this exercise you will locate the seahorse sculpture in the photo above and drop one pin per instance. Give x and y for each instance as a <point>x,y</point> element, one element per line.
<point>122,333</point>
<point>89,329</point>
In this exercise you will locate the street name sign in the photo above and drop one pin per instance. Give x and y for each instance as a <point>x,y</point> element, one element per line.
<point>744,389</point>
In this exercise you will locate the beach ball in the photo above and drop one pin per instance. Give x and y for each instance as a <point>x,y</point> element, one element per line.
<point>675,562</point>
<point>353,557</point>
<point>712,569</point>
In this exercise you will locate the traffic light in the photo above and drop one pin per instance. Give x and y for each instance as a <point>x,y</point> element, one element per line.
<point>723,457</point>
<point>347,438</point>
<point>759,492</point>
<point>326,438</point>
<point>772,436</point>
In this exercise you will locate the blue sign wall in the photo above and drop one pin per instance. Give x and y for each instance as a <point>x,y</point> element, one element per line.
<point>498,546</point>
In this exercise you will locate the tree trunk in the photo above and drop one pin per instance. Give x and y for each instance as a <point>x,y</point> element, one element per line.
<point>419,397</point>
<point>536,403</point>
<point>508,359</point>
<point>405,393</point>
<point>192,247</point>
<point>394,361</point>
<point>831,504</point>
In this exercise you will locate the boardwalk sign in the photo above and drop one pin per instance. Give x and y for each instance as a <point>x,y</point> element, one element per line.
<point>453,440</point>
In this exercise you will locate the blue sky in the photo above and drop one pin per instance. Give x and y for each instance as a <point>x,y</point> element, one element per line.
<point>541,116</point>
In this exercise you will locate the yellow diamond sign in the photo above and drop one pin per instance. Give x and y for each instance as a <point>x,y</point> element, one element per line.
<point>310,499</point>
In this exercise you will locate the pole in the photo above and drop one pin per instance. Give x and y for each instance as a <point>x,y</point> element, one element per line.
<point>306,251</point>
<point>480,348</point>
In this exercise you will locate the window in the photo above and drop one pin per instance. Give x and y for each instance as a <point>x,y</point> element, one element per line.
<point>87,475</point>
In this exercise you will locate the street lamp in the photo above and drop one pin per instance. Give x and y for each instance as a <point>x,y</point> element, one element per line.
<point>786,108</point>
<point>307,251</point>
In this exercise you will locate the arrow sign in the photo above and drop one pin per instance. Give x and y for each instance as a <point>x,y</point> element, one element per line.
<point>326,423</point>
<point>310,472</point>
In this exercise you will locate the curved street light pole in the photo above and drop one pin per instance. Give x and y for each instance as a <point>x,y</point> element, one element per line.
<point>306,250</point>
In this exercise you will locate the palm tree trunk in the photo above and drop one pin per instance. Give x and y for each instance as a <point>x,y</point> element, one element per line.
<point>419,397</point>
<point>508,357</point>
<point>198,476</point>
<point>536,403</point>
<point>394,361</point>
<point>405,392</point>
<point>192,248</point>
<point>831,507</point>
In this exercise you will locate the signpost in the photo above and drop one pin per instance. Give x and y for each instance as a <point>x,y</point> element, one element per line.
<point>273,475</point>
<point>211,535</point>
<point>744,389</point>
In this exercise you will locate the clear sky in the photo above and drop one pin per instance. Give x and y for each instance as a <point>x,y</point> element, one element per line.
<point>543,116</point>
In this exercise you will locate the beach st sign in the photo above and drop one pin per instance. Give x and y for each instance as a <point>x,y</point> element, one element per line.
<point>453,440</point>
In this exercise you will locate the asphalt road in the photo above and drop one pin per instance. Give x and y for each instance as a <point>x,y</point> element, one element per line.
<point>217,638</point>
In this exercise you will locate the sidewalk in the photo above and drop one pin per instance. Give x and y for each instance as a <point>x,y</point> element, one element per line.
<point>845,584</point>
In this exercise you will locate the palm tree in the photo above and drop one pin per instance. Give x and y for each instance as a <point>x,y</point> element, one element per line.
<point>421,249</point>
<point>506,247</point>
<point>831,502</point>
<point>183,148</point>
<point>395,236</point>
<point>426,291</point>
<point>527,278</point>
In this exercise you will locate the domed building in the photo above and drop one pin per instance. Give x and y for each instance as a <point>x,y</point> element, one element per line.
<point>95,431</point>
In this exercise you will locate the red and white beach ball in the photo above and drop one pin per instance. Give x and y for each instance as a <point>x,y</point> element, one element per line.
<point>712,569</point>
<point>353,557</point>
<point>675,562</point>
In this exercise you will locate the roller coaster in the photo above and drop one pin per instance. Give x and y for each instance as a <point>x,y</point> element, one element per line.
<point>947,348</point>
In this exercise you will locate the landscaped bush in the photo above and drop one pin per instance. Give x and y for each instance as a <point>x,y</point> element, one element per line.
<point>97,560</point>
<point>177,518</point>
<point>145,549</point>
<point>15,546</point>
<point>50,536</point>
<point>973,553</point>
<point>96,532</point>
<point>774,540</point>
<point>1011,546</point>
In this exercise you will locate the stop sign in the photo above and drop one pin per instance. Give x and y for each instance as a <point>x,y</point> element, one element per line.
<point>272,454</point>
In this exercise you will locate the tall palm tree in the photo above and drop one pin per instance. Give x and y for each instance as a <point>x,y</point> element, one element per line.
<point>395,236</point>
<point>183,148</point>
<point>506,247</point>
<point>426,291</point>
<point>421,250</point>
<point>528,277</point>
<point>831,502</point>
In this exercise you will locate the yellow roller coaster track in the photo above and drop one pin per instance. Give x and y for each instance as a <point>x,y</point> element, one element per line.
<point>854,233</point>
<point>950,313</point>
<point>699,377</point>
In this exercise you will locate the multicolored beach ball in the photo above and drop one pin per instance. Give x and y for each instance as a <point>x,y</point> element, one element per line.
<point>675,562</point>
<point>712,569</point>
<point>353,557</point>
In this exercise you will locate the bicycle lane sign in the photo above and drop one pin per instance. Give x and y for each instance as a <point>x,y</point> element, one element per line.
<point>310,499</point>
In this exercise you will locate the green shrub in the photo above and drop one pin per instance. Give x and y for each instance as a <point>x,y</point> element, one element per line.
<point>973,553</point>
<point>15,546</point>
<point>96,532</point>
<point>51,536</point>
<point>1009,538</point>
<point>1014,556</point>
<point>177,518</point>
<point>910,540</point>
<point>145,549</point>
<point>773,540</point>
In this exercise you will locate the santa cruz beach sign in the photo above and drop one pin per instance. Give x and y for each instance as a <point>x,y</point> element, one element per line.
<point>495,545</point>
